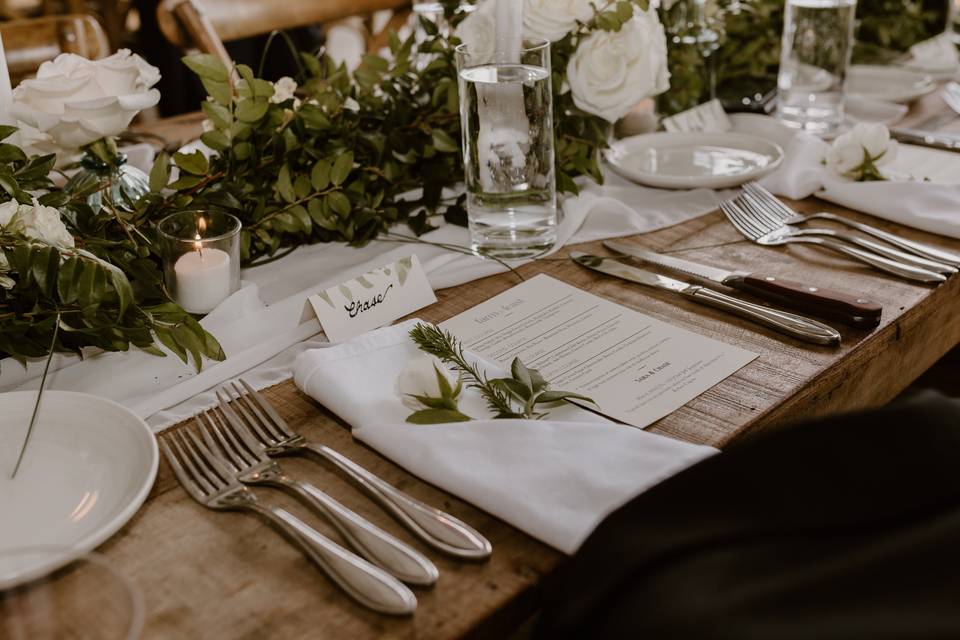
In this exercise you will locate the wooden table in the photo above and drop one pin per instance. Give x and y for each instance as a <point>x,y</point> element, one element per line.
<point>216,575</point>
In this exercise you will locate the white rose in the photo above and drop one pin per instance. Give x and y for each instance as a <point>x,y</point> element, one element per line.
<point>283,89</point>
<point>419,378</point>
<point>74,101</point>
<point>478,32</point>
<point>866,142</point>
<point>36,221</point>
<point>553,19</point>
<point>610,72</point>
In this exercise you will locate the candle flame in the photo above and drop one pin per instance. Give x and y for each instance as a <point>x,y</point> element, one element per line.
<point>201,227</point>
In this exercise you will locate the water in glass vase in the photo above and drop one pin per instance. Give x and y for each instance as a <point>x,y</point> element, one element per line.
<point>506,112</point>
<point>815,55</point>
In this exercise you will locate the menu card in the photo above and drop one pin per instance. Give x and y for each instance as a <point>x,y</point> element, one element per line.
<point>636,368</point>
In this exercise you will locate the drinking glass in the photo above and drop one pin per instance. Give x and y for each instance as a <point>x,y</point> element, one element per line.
<point>506,116</point>
<point>201,258</point>
<point>815,55</point>
<point>695,37</point>
<point>87,598</point>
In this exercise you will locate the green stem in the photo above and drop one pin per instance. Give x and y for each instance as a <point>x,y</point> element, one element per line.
<point>36,406</point>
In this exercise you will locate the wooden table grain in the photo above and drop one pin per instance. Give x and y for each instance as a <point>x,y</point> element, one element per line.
<point>224,575</point>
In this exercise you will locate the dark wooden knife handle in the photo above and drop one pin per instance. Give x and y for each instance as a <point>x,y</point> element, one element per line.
<point>829,302</point>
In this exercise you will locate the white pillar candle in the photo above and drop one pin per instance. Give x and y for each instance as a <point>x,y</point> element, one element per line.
<point>203,279</point>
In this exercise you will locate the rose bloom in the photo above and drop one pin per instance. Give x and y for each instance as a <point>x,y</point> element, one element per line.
<point>419,378</point>
<point>478,32</point>
<point>74,101</point>
<point>553,19</point>
<point>846,154</point>
<point>611,72</point>
<point>36,221</point>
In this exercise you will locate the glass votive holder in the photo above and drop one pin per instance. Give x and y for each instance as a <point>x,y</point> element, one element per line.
<point>201,258</point>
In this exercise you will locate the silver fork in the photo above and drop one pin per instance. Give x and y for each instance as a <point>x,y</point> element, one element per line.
<point>438,529</point>
<point>252,466</point>
<point>747,224</point>
<point>208,481</point>
<point>765,215</point>
<point>789,216</point>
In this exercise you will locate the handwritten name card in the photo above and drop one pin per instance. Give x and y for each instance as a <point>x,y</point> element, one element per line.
<point>373,300</point>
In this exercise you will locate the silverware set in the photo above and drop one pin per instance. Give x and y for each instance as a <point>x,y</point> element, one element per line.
<point>764,219</point>
<point>234,448</point>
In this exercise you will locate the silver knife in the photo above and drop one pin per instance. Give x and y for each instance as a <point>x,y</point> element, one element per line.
<point>793,325</point>
<point>923,138</point>
<point>828,303</point>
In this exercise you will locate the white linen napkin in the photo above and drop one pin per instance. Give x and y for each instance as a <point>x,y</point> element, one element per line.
<point>924,192</point>
<point>555,479</point>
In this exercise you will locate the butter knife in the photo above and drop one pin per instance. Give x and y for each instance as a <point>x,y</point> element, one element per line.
<point>828,303</point>
<point>930,139</point>
<point>790,324</point>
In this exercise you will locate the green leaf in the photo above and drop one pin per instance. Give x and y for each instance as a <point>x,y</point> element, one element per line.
<point>219,115</point>
<point>320,175</point>
<point>252,109</point>
<point>185,182</point>
<point>339,203</point>
<point>443,142</point>
<point>521,374</point>
<point>437,416</point>
<point>341,168</point>
<point>194,163</point>
<point>219,91</point>
<point>216,140</point>
<point>11,153</point>
<point>554,396</point>
<point>206,65</point>
<point>160,173</point>
<point>6,131</point>
<point>284,186</point>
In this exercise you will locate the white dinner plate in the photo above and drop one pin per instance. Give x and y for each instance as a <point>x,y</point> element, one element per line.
<point>892,84</point>
<point>694,160</point>
<point>88,468</point>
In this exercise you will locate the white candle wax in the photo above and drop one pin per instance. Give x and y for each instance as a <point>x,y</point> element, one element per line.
<point>203,279</point>
<point>6,93</point>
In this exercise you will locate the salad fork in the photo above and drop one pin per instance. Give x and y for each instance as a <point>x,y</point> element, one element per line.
<point>779,209</point>
<point>252,466</point>
<point>761,233</point>
<point>208,481</point>
<point>438,529</point>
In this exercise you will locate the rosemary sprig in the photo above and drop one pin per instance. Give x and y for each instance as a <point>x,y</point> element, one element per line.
<point>526,387</point>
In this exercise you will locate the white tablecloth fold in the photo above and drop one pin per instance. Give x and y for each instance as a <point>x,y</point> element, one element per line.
<point>555,479</point>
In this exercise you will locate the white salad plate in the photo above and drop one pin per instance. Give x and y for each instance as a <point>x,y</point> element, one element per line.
<point>694,160</point>
<point>89,466</point>
<point>891,84</point>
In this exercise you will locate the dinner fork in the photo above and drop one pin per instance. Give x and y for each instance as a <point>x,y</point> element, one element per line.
<point>763,215</point>
<point>761,234</point>
<point>438,529</point>
<point>778,208</point>
<point>252,466</point>
<point>208,481</point>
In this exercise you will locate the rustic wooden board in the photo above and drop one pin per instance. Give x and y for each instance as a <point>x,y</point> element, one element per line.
<point>215,575</point>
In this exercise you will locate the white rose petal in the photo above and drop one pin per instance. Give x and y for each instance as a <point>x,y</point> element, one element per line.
<point>7,210</point>
<point>611,72</point>
<point>553,19</point>
<point>420,378</point>
<point>847,153</point>
<point>283,89</point>
<point>44,223</point>
<point>478,32</point>
<point>74,101</point>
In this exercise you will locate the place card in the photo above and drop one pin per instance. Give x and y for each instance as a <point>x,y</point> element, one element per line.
<point>373,300</point>
<point>709,116</point>
<point>636,368</point>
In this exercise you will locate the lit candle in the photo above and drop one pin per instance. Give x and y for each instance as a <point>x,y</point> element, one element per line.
<point>203,277</point>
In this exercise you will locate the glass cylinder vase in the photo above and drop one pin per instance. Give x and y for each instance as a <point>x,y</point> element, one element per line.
<point>201,258</point>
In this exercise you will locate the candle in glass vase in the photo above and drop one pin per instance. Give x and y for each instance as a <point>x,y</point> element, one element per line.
<point>203,279</point>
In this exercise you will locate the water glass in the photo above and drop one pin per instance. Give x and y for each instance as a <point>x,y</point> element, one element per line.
<point>815,55</point>
<point>506,115</point>
<point>201,258</point>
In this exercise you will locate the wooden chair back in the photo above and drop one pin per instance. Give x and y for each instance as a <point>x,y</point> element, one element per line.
<point>29,43</point>
<point>207,24</point>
